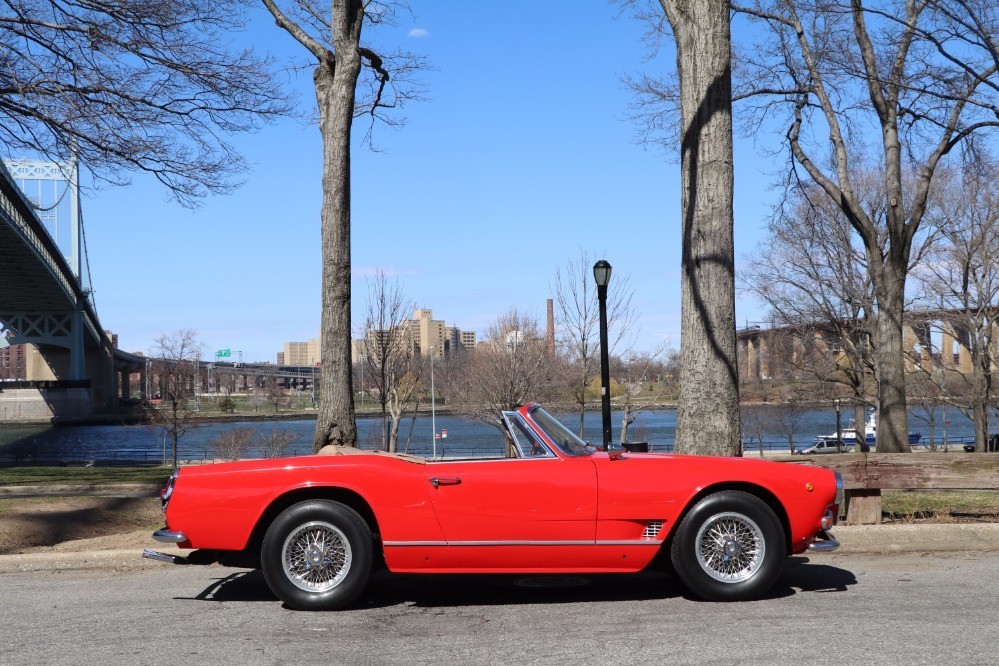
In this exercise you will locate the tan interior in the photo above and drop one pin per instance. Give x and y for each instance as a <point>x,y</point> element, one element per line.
<point>334,450</point>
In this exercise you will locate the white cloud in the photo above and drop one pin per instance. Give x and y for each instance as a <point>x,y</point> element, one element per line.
<point>418,32</point>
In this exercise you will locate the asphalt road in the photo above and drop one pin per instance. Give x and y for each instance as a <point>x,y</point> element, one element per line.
<point>831,609</point>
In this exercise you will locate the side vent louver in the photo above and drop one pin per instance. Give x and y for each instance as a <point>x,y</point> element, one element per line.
<point>652,529</point>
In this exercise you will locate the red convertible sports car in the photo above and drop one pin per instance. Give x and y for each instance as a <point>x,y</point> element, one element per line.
<point>554,505</point>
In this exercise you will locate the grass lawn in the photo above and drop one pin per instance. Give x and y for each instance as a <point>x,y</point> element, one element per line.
<point>940,505</point>
<point>35,476</point>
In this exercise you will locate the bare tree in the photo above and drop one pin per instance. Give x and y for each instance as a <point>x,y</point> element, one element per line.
<point>813,276</point>
<point>577,318</point>
<point>274,393</point>
<point>389,350</point>
<point>406,385</point>
<point>510,368</point>
<point>926,394</point>
<point>788,416</point>
<point>274,443</point>
<point>755,421</point>
<point>962,280</point>
<point>133,85</point>
<point>708,410</point>
<point>257,397</point>
<point>233,444</point>
<point>174,357</point>
<point>332,35</point>
<point>638,376</point>
<point>922,74</point>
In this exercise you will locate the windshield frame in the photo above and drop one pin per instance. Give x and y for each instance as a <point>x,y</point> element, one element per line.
<point>559,436</point>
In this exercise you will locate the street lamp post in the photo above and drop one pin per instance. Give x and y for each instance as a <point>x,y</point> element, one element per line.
<point>602,274</point>
<point>839,427</point>
<point>433,406</point>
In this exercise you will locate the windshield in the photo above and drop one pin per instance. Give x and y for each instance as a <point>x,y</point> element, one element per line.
<point>562,437</point>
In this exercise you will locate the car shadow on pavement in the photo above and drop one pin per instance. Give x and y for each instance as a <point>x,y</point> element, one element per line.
<point>797,577</point>
<point>236,586</point>
<point>387,589</point>
<point>436,591</point>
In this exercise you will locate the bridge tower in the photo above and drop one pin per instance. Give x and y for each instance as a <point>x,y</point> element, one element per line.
<point>53,190</point>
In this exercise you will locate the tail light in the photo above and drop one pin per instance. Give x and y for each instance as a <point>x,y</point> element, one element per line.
<point>168,491</point>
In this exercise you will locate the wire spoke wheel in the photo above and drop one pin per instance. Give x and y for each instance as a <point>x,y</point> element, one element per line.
<point>316,557</point>
<point>730,547</point>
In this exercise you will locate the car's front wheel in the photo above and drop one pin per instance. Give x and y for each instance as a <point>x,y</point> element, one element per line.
<point>316,555</point>
<point>729,547</point>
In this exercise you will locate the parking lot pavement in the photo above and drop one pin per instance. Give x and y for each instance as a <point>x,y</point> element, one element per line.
<point>855,539</point>
<point>824,609</point>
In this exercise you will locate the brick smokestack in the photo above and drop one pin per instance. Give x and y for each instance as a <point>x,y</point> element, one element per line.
<point>550,338</point>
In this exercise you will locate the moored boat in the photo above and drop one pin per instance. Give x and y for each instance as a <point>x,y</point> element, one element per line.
<point>870,433</point>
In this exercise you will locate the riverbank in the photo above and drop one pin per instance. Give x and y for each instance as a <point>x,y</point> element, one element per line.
<point>141,417</point>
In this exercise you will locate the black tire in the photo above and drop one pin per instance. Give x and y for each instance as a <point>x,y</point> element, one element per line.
<point>316,555</point>
<point>741,550</point>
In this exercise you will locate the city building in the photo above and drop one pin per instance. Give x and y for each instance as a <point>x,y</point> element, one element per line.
<point>424,334</point>
<point>427,333</point>
<point>457,338</point>
<point>12,362</point>
<point>303,353</point>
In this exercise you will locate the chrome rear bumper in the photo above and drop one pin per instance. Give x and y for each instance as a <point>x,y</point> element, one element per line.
<point>166,536</point>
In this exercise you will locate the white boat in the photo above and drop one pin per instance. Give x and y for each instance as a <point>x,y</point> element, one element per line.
<point>870,433</point>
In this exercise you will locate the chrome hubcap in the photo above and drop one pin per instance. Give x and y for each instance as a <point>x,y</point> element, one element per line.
<point>316,557</point>
<point>730,547</point>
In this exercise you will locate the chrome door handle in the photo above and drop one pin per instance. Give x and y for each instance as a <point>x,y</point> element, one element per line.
<point>448,481</point>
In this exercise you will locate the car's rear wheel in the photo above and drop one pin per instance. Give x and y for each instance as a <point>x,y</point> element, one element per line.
<point>729,547</point>
<point>316,555</point>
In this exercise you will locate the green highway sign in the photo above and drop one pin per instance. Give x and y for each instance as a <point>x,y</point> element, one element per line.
<point>223,353</point>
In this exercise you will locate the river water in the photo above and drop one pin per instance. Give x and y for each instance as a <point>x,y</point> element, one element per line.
<point>118,443</point>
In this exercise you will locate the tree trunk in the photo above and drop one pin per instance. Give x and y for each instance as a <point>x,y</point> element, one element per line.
<point>893,421</point>
<point>393,437</point>
<point>625,421</point>
<point>335,91</point>
<point>860,427</point>
<point>708,411</point>
<point>980,402</point>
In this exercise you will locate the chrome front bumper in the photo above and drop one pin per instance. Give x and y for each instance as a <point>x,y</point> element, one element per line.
<point>823,543</point>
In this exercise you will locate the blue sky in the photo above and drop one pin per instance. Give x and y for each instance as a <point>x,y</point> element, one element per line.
<point>521,156</point>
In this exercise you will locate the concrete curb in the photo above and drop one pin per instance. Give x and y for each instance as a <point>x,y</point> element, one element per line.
<point>82,561</point>
<point>854,539</point>
<point>918,538</point>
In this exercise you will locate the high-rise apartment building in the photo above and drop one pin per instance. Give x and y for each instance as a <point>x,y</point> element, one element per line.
<point>459,339</point>
<point>428,333</point>
<point>423,334</point>
<point>12,362</point>
<point>303,353</point>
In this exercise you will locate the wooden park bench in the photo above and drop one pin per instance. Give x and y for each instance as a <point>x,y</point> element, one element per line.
<point>865,475</point>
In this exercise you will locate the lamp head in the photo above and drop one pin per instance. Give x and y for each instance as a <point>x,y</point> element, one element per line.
<point>602,273</point>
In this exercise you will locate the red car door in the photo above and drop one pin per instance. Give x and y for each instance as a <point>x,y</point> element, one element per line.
<point>515,501</point>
